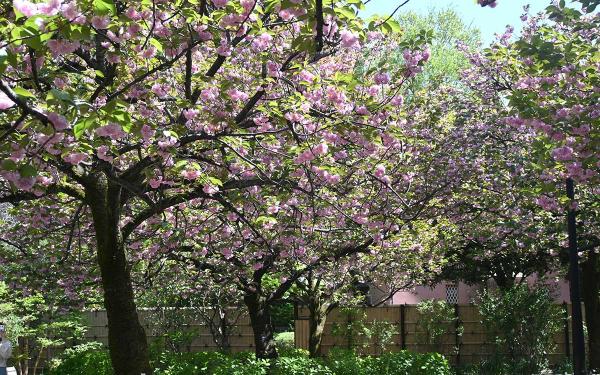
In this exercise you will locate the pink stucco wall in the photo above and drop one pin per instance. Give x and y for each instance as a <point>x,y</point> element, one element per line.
<point>467,293</point>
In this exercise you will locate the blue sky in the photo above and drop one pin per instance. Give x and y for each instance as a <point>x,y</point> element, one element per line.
<point>489,21</point>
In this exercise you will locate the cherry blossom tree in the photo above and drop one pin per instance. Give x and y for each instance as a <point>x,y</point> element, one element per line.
<point>549,78</point>
<point>501,232</point>
<point>133,109</point>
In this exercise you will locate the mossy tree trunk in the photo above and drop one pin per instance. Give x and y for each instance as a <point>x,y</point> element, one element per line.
<point>318,311</point>
<point>262,325</point>
<point>127,339</point>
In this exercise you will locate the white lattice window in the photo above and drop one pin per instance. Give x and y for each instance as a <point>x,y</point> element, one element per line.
<point>452,293</point>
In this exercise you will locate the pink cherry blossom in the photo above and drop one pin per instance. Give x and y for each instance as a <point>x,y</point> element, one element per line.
<point>50,8</point>
<point>563,153</point>
<point>548,203</point>
<point>349,39</point>
<point>5,101</point>
<point>155,182</point>
<point>147,133</point>
<point>190,113</point>
<point>149,52</point>
<point>100,22</point>
<point>191,174</point>
<point>273,209</point>
<point>60,47</point>
<point>102,153</point>
<point>262,42</point>
<point>321,149</point>
<point>75,158</point>
<point>227,253</point>
<point>257,266</point>
<point>113,131</point>
<point>382,78</point>
<point>72,13</point>
<point>224,49</point>
<point>58,121</point>
<point>26,7</point>
<point>220,3</point>
<point>210,189</point>
<point>160,90</point>
<point>132,14</point>
<point>237,95</point>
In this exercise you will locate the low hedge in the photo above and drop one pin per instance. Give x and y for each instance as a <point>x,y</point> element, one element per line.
<point>85,359</point>
<point>91,360</point>
<point>403,362</point>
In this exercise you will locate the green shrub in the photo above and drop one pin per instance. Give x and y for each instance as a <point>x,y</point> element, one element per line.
<point>295,353</point>
<point>360,334</point>
<point>390,363</point>
<point>170,363</point>
<point>344,362</point>
<point>353,331</point>
<point>284,342</point>
<point>238,367</point>
<point>209,363</point>
<point>380,335</point>
<point>521,321</point>
<point>436,318</point>
<point>300,366</point>
<point>85,359</point>
<point>407,363</point>
<point>430,364</point>
<point>91,359</point>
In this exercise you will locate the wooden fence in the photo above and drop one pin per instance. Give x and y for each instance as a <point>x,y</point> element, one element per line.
<point>470,347</point>
<point>241,339</point>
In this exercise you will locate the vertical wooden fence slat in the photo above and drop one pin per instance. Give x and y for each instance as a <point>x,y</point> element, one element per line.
<point>457,324</point>
<point>301,334</point>
<point>403,326</point>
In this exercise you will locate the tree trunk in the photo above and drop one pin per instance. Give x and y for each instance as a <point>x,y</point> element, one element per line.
<point>225,344</point>
<point>591,299</point>
<point>316,323</point>
<point>126,338</point>
<point>262,326</point>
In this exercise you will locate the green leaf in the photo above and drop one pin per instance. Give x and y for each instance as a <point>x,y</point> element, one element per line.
<point>27,35</point>
<point>22,92</point>
<point>215,181</point>
<point>80,127</point>
<point>3,60</point>
<point>28,171</point>
<point>9,165</point>
<point>156,45</point>
<point>60,95</point>
<point>393,26</point>
<point>122,117</point>
<point>269,5</point>
<point>181,164</point>
<point>104,7</point>
<point>347,12</point>
<point>265,219</point>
